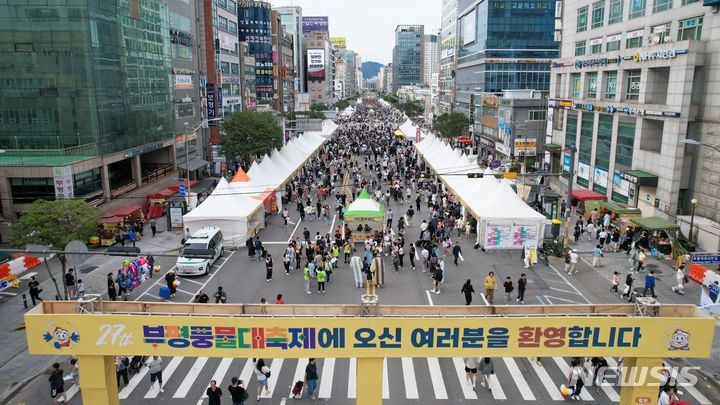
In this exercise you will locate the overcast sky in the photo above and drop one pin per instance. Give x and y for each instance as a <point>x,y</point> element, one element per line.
<point>369,25</point>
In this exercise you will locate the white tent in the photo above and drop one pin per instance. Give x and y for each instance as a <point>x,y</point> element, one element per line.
<point>410,130</point>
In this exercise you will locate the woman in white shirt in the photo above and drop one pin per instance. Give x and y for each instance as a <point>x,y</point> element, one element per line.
<point>262,373</point>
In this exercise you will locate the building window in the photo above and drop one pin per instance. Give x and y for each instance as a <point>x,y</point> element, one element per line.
<point>576,85</point>
<point>632,84</point>
<point>634,39</point>
<point>25,190</point>
<point>579,48</point>
<point>222,23</point>
<point>615,15</point>
<point>604,140</point>
<point>234,68</point>
<point>586,143</point>
<point>596,45</point>
<point>684,2</point>
<point>184,110</point>
<point>662,5</point>
<point>598,14</point>
<point>625,143</point>
<point>637,8</point>
<point>87,182</point>
<point>571,130</point>
<point>232,6</point>
<point>613,43</point>
<point>582,17</point>
<point>610,85</point>
<point>690,29</point>
<point>232,27</point>
<point>591,85</point>
<point>661,32</point>
<point>222,3</point>
<point>537,115</point>
<point>225,67</point>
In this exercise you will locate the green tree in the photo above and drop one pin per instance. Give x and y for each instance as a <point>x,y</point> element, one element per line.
<point>450,125</point>
<point>411,108</point>
<point>249,134</point>
<point>54,224</point>
<point>319,107</point>
<point>342,104</point>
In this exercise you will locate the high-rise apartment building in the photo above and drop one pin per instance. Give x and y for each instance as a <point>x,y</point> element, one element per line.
<point>320,67</point>
<point>282,49</point>
<point>634,80</point>
<point>386,73</point>
<point>431,58</point>
<point>255,28</point>
<point>72,125</point>
<point>448,45</point>
<point>408,52</point>
<point>351,65</point>
<point>291,19</point>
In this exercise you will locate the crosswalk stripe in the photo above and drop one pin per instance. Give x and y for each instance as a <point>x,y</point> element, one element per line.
<point>272,381</point>
<point>191,376</point>
<point>166,373</point>
<point>352,369</point>
<point>326,381</point>
<point>565,367</point>
<point>552,389</point>
<point>684,385</point>
<point>496,388</point>
<point>133,383</point>
<point>71,392</point>
<point>299,376</point>
<point>610,392</point>
<point>220,372</point>
<point>438,383</point>
<point>411,389</point>
<point>520,381</point>
<point>247,372</point>
<point>459,366</point>
<point>385,382</point>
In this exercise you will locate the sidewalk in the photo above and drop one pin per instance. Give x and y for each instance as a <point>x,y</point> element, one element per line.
<point>17,367</point>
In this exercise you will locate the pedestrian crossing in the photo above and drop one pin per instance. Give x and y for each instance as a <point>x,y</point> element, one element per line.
<point>514,379</point>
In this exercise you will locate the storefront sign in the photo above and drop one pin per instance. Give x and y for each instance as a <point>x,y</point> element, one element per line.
<point>600,177</point>
<point>484,141</point>
<point>490,102</point>
<point>660,54</point>
<point>176,217</point>
<point>614,38</point>
<point>597,62</point>
<point>183,82</point>
<point>232,101</point>
<point>620,188</point>
<point>339,42</point>
<point>210,90</point>
<point>525,147</point>
<point>705,258</point>
<point>561,104</point>
<point>315,24</point>
<point>144,149</point>
<point>180,71</point>
<point>567,161</point>
<point>634,34</point>
<point>610,109</point>
<point>583,171</point>
<point>64,184</point>
<point>500,147</point>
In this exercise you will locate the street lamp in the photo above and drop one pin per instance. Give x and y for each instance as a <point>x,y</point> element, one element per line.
<point>187,159</point>
<point>693,203</point>
<point>698,143</point>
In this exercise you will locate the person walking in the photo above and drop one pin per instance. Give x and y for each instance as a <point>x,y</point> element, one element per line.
<point>153,226</point>
<point>121,365</point>
<point>258,249</point>
<point>70,284</point>
<point>521,284</point>
<point>597,254</point>
<point>437,279</point>
<point>468,291</point>
<point>575,378</point>
<point>487,369</point>
<point>627,291</point>
<point>321,275</point>
<point>508,286</point>
<point>238,394</point>
<point>456,251</point>
<point>573,262</point>
<point>306,277</point>
<point>490,286</point>
<point>155,370</point>
<point>57,384</point>
<point>214,393</point>
<point>650,284</point>
<point>112,291</point>
<point>268,267</point>
<point>35,290</point>
<point>641,261</point>
<point>615,282</point>
<point>151,265</point>
<point>311,378</point>
<point>679,277</point>
<point>471,368</point>
<point>170,281</point>
<point>389,216</point>
<point>286,262</point>
<point>262,374</point>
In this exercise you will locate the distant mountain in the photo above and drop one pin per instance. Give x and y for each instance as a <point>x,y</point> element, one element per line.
<point>371,69</point>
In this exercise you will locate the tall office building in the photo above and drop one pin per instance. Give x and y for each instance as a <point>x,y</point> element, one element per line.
<point>408,52</point>
<point>72,125</point>
<point>431,58</point>
<point>448,45</point>
<point>351,65</point>
<point>255,28</point>
<point>291,20</point>
<point>320,67</point>
<point>635,79</point>
<point>339,50</point>
<point>503,48</point>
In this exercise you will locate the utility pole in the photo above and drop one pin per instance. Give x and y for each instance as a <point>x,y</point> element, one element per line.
<point>568,198</point>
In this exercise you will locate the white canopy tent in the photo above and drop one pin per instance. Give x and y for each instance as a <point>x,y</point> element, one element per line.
<point>409,130</point>
<point>505,221</point>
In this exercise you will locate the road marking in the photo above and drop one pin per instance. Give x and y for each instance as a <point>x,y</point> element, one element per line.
<point>352,369</point>
<point>218,376</point>
<point>520,381</point>
<point>459,366</point>
<point>561,290</point>
<point>438,383</point>
<point>294,230</point>
<point>547,297</point>
<point>332,224</point>
<point>386,383</point>
<point>186,292</point>
<point>605,276</point>
<point>247,372</point>
<point>568,283</point>
<point>550,386</point>
<point>191,376</point>
<point>214,273</point>
<point>565,368</point>
<point>411,389</point>
<point>27,276</point>
<point>427,292</point>
<point>191,281</point>
<point>326,381</point>
<point>693,391</point>
<point>134,381</point>
<point>496,388</point>
<point>160,279</point>
<point>272,381</point>
<point>166,373</point>
<point>540,299</point>
<point>299,375</point>
<point>482,295</point>
<point>71,392</point>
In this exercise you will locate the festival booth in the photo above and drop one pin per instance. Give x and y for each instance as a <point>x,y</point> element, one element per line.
<point>409,130</point>
<point>504,220</point>
<point>664,236</point>
<point>366,213</point>
<point>587,200</point>
<point>622,215</point>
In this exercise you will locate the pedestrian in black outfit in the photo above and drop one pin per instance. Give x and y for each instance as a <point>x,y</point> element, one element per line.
<point>250,244</point>
<point>34,290</point>
<point>214,393</point>
<point>57,384</point>
<point>151,264</point>
<point>411,256</point>
<point>153,227</point>
<point>112,291</point>
<point>521,284</point>
<point>468,290</point>
<point>268,267</point>
<point>170,280</point>
<point>456,251</point>
<point>121,369</point>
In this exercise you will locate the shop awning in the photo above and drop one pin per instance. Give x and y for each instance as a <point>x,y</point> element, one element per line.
<point>551,147</point>
<point>399,133</point>
<point>641,178</point>
<point>584,195</point>
<point>194,164</point>
<point>619,208</point>
<point>655,224</point>
<point>463,139</point>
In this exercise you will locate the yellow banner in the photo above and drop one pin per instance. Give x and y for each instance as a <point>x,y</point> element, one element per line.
<point>204,336</point>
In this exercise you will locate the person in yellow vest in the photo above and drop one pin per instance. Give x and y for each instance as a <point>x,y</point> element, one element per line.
<point>347,249</point>
<point>321,278</point>
<point>306,276</point>
<point>490,286</point>
<point>335,252</point>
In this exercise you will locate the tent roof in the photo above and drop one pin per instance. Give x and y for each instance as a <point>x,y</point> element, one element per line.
<point>365,206</point>
<point>240,176</point>
<point>583,195</point>
<point>655,224</point>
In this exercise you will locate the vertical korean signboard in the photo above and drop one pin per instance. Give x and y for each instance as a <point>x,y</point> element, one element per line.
<point>316,64</point>
<point>210,89</point>
<point>63,180</point>
<point>417,135</point>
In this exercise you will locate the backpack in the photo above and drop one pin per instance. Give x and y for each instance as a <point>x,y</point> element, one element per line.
<point>567,258</point>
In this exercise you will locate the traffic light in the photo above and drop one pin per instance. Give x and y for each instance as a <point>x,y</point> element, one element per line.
<point>475,175</point>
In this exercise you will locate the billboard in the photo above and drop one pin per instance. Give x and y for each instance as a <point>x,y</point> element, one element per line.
<point>339,42</point>
<point>469,23</point>
<point>317,23</point>
<point>316,64</point>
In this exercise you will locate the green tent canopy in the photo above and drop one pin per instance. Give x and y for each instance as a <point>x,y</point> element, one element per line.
<point>365,208</point>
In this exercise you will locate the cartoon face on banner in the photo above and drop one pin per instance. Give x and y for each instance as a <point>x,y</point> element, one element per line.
<point>679,340</point>
<point>61,336</point>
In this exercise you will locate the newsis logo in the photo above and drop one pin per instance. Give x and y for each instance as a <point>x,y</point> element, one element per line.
<point>640,376</point>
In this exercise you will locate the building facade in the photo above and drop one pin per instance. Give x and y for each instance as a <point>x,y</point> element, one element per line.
<point>320,82</point>
<point>635,79</point>
<point>351,66</point>
<point>286,72</point>
<point>503,46</point>
<point>291,19</point>
<point>448,46</point>
<point>255,28</point>
<point>431,59</point>
<point>408,68</point>
<point>386,78</point>
<point>248,81</point>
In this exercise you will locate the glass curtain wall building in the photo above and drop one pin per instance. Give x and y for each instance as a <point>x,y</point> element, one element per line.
<point>408,52</point>
<point>254,20</point>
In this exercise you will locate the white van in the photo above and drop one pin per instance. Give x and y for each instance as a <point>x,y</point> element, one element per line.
<point>200,252</point>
